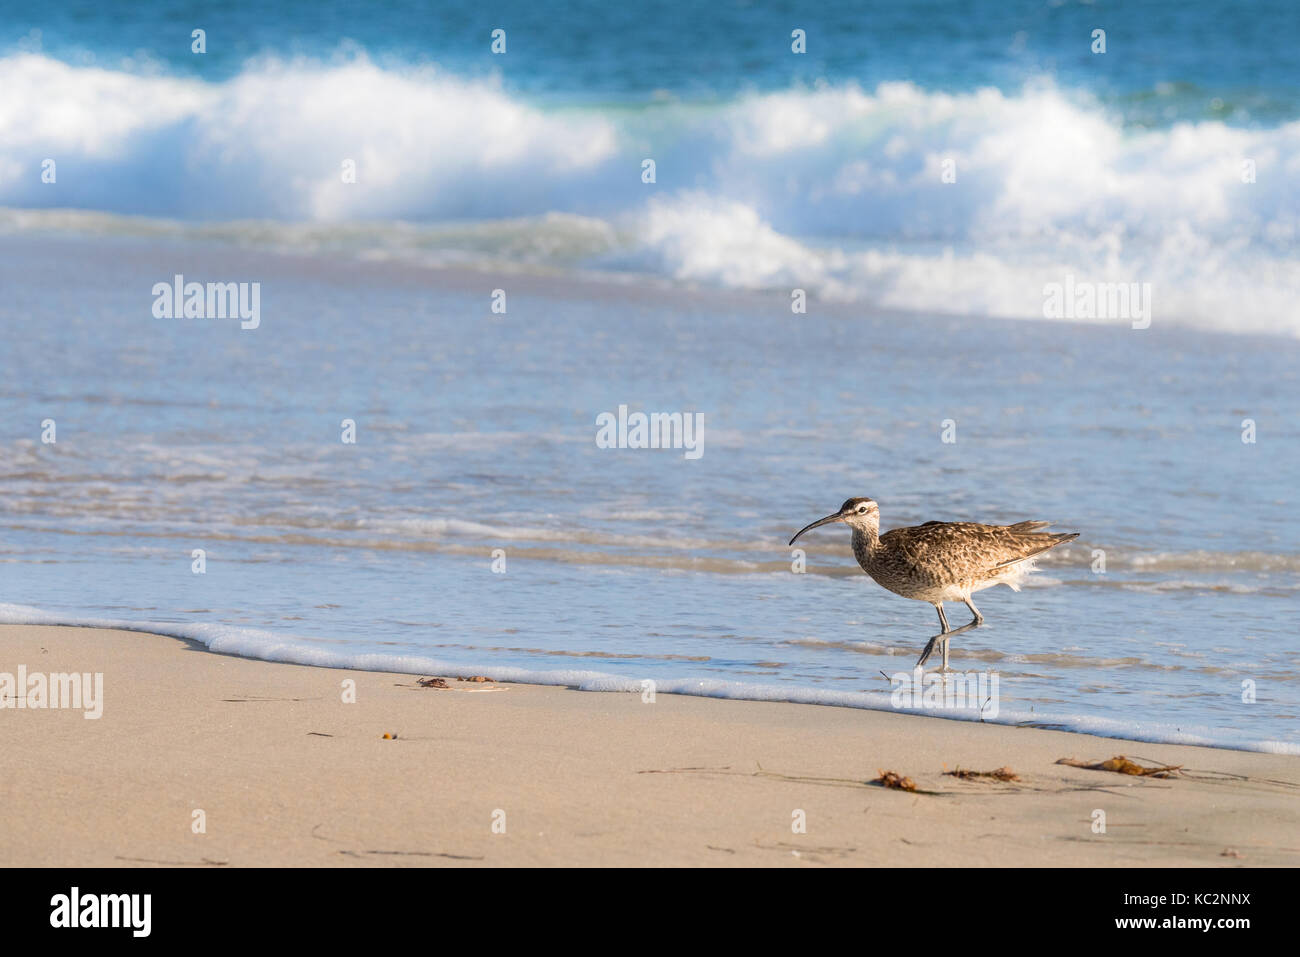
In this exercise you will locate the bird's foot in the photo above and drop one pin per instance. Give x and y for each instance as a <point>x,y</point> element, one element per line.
<point>941,641</point>
<point>929,650</point>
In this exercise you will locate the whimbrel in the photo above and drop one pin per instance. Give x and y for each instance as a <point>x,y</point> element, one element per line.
<point>942,561</point>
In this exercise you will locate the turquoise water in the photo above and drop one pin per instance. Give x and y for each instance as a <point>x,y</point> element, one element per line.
<point>476,431</point>
<point>596,52</point>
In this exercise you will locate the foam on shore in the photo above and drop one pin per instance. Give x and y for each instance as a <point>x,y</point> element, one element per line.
<point>267,646</point>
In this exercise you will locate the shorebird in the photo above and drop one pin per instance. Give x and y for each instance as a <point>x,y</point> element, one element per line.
<point>942,561</point>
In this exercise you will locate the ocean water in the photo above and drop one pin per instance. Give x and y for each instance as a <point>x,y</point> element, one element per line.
<point>476,431</point>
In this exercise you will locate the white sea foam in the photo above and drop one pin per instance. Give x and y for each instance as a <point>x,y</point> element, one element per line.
<point>267,646</point>
<point>837,190</point>
<point>272,141</point>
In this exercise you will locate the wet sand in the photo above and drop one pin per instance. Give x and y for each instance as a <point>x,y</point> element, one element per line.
<point>286,772</point>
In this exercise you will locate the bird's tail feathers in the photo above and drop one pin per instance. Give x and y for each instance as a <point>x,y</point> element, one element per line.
<point>1039,543</point>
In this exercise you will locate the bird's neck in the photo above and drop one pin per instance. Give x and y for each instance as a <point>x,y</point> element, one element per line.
<point>865,541</point>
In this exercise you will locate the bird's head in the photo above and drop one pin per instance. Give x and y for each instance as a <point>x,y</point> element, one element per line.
<point>862,513</point>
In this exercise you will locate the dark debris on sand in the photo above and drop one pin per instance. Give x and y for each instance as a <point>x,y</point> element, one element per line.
<point>892,779</point>
<point>1122,765</point>
<point>999,774</point>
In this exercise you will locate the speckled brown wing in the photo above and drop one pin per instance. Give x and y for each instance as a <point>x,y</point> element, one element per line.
<point>1029,544</point>
<point>944,552</point>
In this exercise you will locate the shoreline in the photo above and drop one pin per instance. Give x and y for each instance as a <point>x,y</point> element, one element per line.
<point>283,771</point>
<point>961,705</point>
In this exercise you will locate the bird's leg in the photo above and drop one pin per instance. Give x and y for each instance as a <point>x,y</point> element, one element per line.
<point>941,639</point>
<point>929,647</point>
<point>944,641</point>
<point>974,623</point>
<point>945,638</point>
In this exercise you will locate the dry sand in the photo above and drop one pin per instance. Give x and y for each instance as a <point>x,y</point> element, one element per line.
<point>286,773</point>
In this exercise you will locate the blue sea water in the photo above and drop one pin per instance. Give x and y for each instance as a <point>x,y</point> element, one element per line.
<point>774,171</point>
<point>941,157</point>
<point>589,51</point>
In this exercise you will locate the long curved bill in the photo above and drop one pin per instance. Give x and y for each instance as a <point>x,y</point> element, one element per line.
<point>817,524</point>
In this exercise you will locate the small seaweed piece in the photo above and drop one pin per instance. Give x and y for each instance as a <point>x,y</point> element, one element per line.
<point>892,779</point>
<point>998,774</point>
<point>432,682</point>
<point>1122,765</point>
<point>479,678</point>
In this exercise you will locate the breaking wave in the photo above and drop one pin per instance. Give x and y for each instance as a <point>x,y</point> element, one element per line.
<point>836,189</point>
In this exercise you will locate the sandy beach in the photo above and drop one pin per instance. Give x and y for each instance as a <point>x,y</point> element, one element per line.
<point>285,772</point>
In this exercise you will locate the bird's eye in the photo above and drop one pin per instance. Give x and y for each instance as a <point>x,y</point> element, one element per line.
<point>862,509</point>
